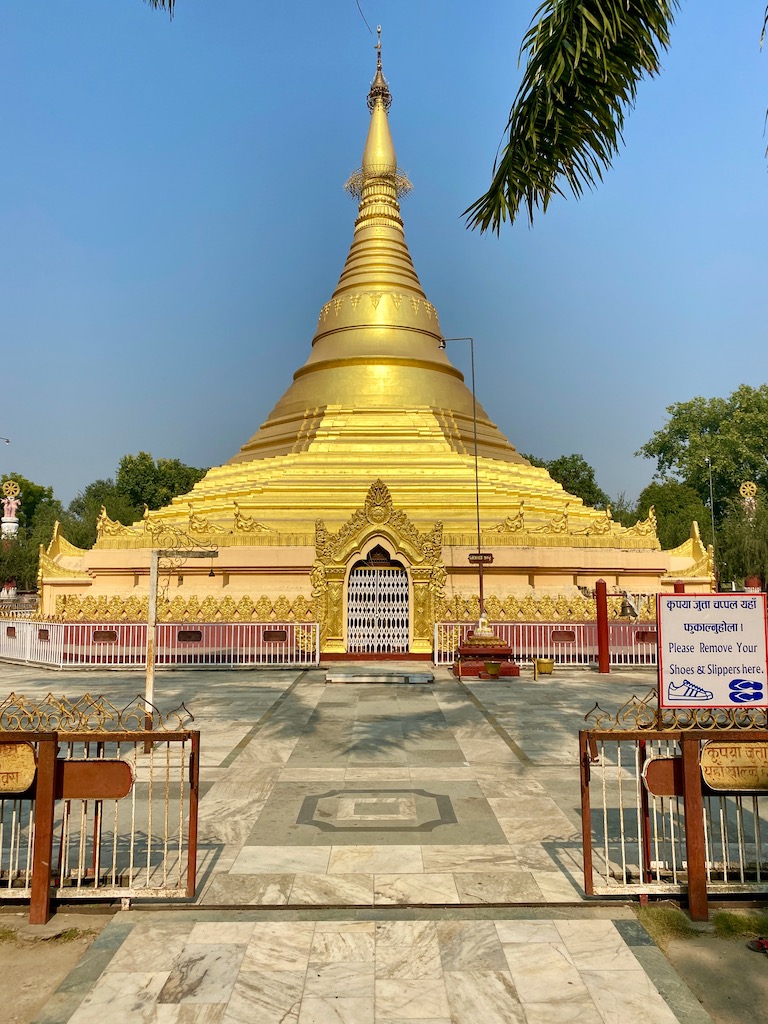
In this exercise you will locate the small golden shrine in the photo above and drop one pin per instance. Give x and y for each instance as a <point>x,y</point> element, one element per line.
<point>355,503</point>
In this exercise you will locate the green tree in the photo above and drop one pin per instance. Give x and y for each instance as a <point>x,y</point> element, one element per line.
<point>584,60</point>
<point>676,506</point>
<point>624,511</point>
<point>742,543</point>
<point>37,514</point>
<point>576,475</point>
<point>140,479</point>
<point>731,432</point>
<point>85,508</point>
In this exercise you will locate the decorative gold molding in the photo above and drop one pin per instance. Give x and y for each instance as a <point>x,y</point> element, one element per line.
<point>247,524</point>
<point>201,524</point>
<point>527,539</point>
<point>547,608</point>
<point>646,527</point>
<point>106,527</point>
<point>427,580</point>
<point>512,524</point>
<point>49,569</point>
<point>59,545</point>
<point>703,564</point>
<point>75,608</point>
<point>557,524</point>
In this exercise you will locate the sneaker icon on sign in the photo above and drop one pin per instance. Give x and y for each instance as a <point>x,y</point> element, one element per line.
<point>686,690</point>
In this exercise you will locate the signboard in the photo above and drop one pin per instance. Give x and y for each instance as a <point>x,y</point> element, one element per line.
<point>480,557</point>
<point>712,650</point>
<point>727,766</point>
<point>89,779</point>
<point>739,767</point>
<point>17,767</point>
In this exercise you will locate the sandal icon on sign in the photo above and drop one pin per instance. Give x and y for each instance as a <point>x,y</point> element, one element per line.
<point>745,691</point>
<point>686,690</point>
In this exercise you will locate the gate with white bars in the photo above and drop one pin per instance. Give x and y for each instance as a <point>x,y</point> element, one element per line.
<point>93,805</point>
<point>377,611</point>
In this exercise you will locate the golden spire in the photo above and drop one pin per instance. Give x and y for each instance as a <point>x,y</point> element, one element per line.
<point>376,344</point>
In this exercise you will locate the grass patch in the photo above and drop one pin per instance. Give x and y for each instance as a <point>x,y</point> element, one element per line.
<point>9,935</point>
<point>664,923</point>
<point>71,935</point>
<point>739,924</point>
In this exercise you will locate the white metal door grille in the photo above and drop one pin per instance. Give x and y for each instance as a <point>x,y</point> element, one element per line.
<point>377,611</point>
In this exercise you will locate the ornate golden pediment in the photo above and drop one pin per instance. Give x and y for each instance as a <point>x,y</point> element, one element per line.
<point>378,516</point>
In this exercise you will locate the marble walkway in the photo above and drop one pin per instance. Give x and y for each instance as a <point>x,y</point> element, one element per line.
<point>378,853</point>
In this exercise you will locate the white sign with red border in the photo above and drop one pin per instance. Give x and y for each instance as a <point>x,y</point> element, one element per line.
<point>713,650</point>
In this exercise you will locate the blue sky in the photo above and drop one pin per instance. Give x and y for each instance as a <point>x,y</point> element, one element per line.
<point>172,219</point>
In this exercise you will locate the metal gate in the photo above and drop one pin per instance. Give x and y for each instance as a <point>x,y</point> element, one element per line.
<point>377,611</point>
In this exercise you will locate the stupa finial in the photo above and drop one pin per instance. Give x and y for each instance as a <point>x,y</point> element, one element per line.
<point>379,166</point>
<point>379,88</point>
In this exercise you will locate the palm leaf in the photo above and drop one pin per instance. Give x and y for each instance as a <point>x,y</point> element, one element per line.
<point>585,59</point>
<point>165,5</point>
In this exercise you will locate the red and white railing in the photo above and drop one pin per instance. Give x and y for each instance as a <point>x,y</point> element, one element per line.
<point>124,644</point>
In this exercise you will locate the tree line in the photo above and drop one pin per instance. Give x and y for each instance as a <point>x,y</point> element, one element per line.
<point>704,454</point>
<point>139,479</point>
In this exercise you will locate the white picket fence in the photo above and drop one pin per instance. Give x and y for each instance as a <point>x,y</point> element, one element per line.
<point>124,644</point>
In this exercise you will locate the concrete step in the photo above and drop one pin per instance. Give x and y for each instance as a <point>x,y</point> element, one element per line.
<point>361,675</point>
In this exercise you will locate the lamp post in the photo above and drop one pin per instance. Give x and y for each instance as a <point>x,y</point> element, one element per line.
<point>154,568</point>
<point>712,517</point>
<point>471,341</point>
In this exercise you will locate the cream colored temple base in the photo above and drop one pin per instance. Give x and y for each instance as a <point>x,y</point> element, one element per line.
<point>369,455</point>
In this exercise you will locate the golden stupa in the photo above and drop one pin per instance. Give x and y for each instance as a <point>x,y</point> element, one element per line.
<point>374,471</point>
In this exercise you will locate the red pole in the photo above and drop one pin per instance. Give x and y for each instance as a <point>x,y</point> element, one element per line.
<point>603,648</point>
<point>679,587</point>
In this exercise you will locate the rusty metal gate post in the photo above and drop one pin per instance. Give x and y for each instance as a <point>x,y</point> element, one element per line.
<point>194,804</point>
<point>587,751</point>
<point>695,848</point>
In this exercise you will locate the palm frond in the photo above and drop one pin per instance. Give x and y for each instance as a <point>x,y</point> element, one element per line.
<point>165,5</point>
<point>585,59</point>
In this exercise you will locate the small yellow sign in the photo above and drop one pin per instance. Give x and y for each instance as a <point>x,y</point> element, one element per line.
<point>17,767</point>
<point>735,765</point>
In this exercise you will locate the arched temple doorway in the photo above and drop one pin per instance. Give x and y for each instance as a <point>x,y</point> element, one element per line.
<point>378,605</point>
<point>408,585</point>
